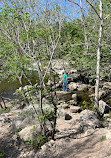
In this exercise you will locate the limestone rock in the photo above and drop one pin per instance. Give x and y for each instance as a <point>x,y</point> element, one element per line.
<point>72,102</point>
<point>101,93</point>
<point>44,148</point>
<point>77,86</point>
<point>107,85</point>
<point>25,118</point>
<point>65,106</point>
<point>27,132</point>
<point>107,115</point>
<point>61,112</point>
<point>74,109</point>
<point>51,142</point>
<point>104,108</point>
<point>74,97</point>
<point>73,71</point>
<point>81,87</point>
<point>73,86</point>
<point>17,123</point>
<point>88,119</point>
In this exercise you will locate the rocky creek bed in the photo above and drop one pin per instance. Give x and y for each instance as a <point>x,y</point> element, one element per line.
<point>79,133</point>
<point>82,136</point>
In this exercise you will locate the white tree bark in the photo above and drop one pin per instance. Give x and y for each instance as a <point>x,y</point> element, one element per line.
<point>98,58</point>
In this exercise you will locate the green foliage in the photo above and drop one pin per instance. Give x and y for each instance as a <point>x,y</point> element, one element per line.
<point>71,42</point>
<point>110,114</point>
<point>1,154</point>
<point>16,131</point>
<point>88,105</point>
<point>37,142</point>
<point>103,137</point>
<point>27,113</point>
<point>104,118</point>
<point>3,110</point>
<point>49,114</point>
<point>29,92</point>
<point>41,118</point>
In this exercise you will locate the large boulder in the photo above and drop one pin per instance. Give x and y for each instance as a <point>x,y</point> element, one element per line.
<point>77,86</point>
<point>73,86</point>
<point>25,118</point>
<point>103,107</point>
<point>28,132</point>
<point>88,119</point>
<point>107,85</point>
<point>101,93</point>
<point>104,93</point>
<point>74,109</point>
<point>17,123</point>
<point>82,87</point>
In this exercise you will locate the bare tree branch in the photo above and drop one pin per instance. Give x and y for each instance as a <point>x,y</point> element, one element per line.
<point>93,9</point>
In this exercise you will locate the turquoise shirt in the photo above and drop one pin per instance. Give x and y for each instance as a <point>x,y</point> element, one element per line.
<point>64,78</point>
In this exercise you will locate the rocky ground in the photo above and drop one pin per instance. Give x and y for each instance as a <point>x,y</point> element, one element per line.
<point>79,135</point>
<point>72,139</point>
<point>10,144</point>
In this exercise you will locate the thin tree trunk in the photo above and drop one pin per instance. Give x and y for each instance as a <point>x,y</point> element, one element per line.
<point>43,125</point>
<point>85,29</point>
<point>98,59</point>
<point>55,111</point>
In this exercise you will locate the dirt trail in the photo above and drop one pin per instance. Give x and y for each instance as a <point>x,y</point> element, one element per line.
<point>92,146</point>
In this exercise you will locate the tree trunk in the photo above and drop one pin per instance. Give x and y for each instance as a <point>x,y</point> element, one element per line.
<point>98,59</point>
<point>55,112</point>
<point>85,29</point>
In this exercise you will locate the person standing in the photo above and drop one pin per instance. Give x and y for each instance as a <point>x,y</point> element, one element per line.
<point>65,81</point>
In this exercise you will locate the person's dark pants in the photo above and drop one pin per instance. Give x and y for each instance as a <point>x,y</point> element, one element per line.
<point>65,86</point>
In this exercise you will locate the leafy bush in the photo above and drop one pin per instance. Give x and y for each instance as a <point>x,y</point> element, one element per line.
<point>37,142</point>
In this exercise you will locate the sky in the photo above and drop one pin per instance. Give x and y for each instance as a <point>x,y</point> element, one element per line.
<point>71,10</point>
<point>67,6</point>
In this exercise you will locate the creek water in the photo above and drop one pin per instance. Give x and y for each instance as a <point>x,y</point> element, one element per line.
<point>9,86</point>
